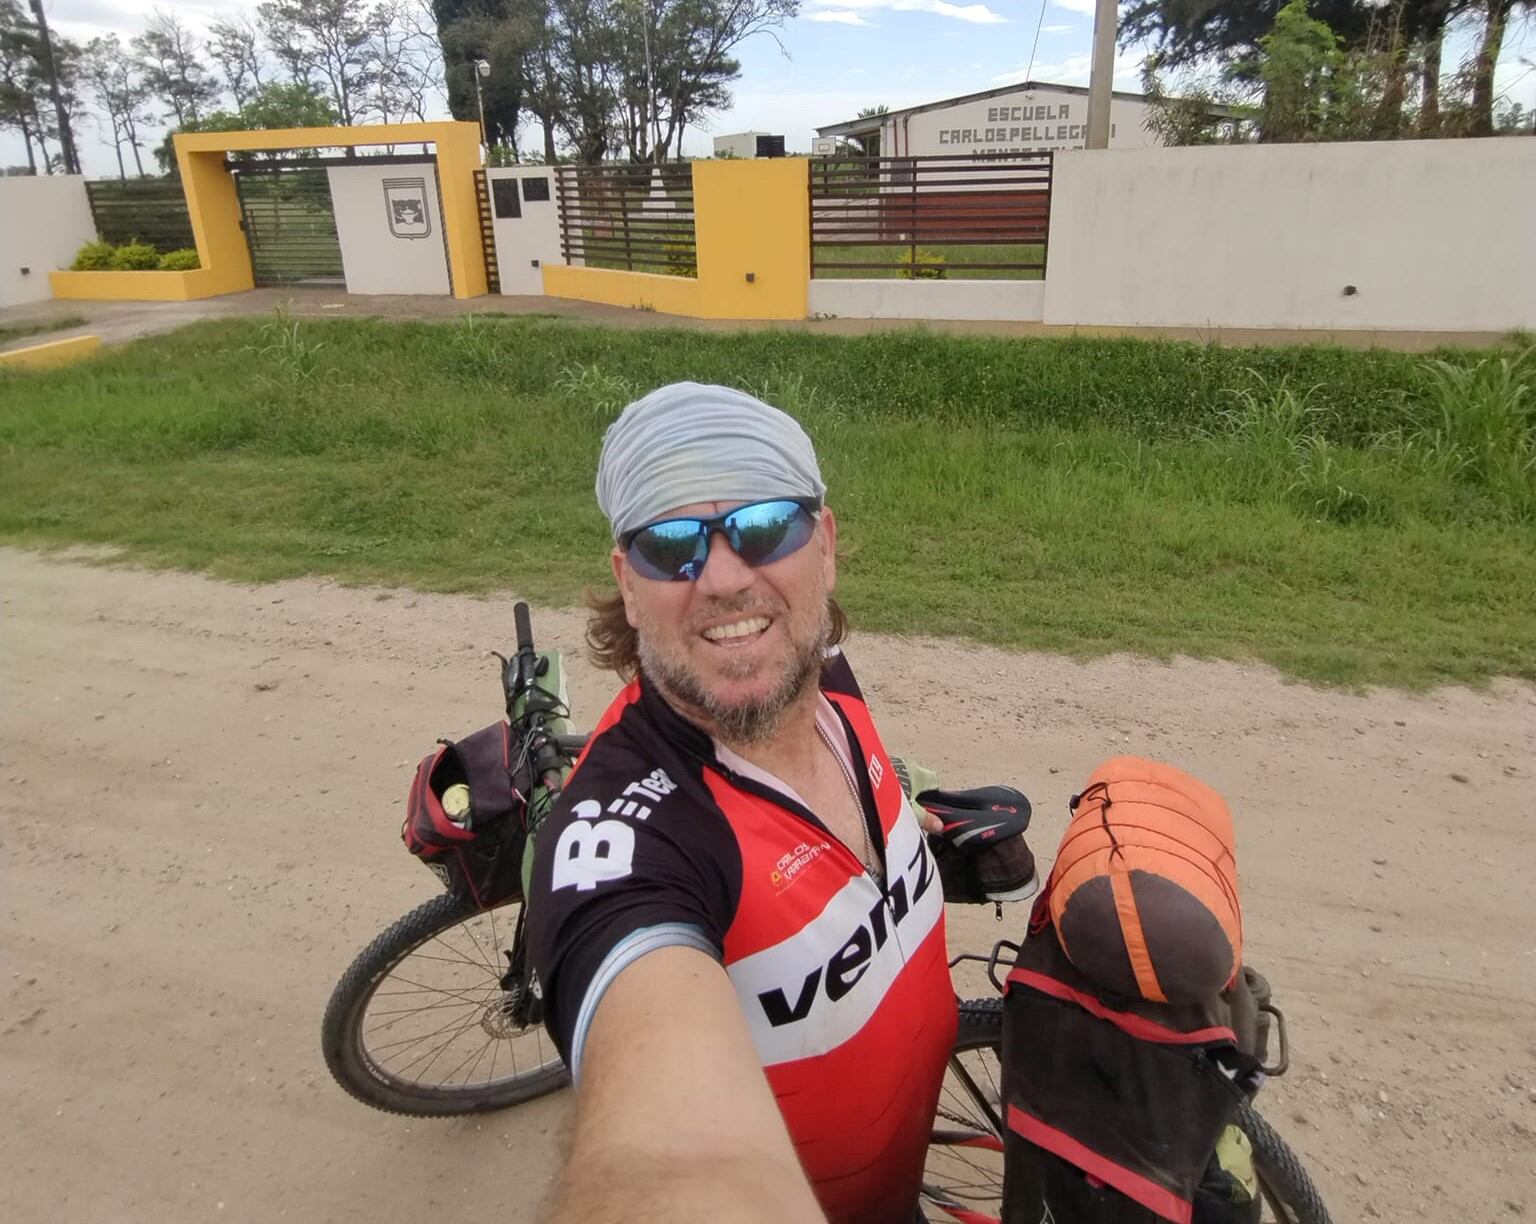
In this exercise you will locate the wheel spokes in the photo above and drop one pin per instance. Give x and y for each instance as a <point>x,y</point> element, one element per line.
<point>439,1018</point>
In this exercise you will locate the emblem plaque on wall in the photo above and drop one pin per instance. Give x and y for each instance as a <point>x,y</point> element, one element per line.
<point>405,203</point>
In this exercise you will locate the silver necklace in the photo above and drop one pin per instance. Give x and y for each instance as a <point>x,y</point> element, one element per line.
<point>871,865</point>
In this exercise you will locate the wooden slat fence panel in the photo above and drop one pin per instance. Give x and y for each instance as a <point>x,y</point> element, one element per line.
<point>631,218</point>
<point>984,215</point>
<point>141,210</point>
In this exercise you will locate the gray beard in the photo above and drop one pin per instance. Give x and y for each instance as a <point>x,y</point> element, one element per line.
<point>741,723</point>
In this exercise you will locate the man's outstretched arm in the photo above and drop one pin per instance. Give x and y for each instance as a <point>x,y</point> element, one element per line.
<point>674,1117</point>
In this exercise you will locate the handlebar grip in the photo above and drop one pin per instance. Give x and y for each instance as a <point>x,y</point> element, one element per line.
<point>524,627</point>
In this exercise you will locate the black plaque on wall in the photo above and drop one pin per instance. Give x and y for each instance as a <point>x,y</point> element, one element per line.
<point>535,189</point>
<point>504,196</point>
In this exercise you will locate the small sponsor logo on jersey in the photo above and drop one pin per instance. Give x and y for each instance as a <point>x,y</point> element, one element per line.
<point>789,868</point>
<point>876,771</point>
<point>846,966</point>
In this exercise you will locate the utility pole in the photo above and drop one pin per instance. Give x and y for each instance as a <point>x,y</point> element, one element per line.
<point>66,137</point>
<point>1102,74</point>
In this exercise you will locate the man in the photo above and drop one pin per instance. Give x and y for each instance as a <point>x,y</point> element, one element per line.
<point>736,921</point>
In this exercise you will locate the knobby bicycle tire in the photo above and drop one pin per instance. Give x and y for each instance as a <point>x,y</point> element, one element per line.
<point>1283,1181</point>
<point>344,1037</point>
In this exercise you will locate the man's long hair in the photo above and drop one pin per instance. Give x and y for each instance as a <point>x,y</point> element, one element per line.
<point>613,643</point>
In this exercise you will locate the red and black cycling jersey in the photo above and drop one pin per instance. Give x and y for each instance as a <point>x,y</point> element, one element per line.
<point>842,977</point>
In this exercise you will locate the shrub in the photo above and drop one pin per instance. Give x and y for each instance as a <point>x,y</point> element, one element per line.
<point>681,259</point>
<point>135,257</point>
<point>923,264</point>
<point>182,260</point>
<point>93,257</point>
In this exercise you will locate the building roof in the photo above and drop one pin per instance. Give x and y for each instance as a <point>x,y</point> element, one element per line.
<point>871,123</point>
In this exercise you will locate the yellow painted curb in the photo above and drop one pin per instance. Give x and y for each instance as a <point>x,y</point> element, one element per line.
<point>54,353</point>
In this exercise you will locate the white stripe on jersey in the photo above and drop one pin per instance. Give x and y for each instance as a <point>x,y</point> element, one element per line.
<point>813,991</point>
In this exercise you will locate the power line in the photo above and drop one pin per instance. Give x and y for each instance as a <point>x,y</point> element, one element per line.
<point>1036,47</point>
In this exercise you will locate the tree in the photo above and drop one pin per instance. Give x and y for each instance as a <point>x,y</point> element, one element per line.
<point>20,80</point>
<point>58,59</point>
<point>235,48</point>
<point>115,82</point>
<point>325,43</point>
<point>1312,80</point>
<point>277,104</point>
<point>28,104</point>
<point>1299,68</point>
<point>599,75</point>
<point>168,56</point>
<point>1190,32</point>
<point>1496,22</point>
<point>406,64</point>
<point>1207,109</point>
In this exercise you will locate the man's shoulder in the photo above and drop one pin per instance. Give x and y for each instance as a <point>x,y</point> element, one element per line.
<point>837,676</point>
<point>626,748</point>
<point>635,815</point>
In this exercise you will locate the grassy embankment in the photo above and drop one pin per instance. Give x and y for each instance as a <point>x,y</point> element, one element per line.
<point>1350,517</point>
<point>38,327</point>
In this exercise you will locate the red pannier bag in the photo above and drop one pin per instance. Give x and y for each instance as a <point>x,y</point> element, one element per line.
<point>478,857</point>
<point>1121,1065</point>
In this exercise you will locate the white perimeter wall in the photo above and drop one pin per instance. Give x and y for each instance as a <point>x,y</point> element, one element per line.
<point>1434,235</point>
<point>44,220</point>
<point>527,242</point>
<point>381,251</point>
<point>928,299</point>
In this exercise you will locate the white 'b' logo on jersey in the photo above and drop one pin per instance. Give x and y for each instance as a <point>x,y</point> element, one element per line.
<point>592,851</point>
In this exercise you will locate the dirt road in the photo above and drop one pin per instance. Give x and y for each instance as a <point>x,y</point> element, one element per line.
<point>202,793</point>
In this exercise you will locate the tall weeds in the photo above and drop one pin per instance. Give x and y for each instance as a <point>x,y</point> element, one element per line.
<point>1476,425</point>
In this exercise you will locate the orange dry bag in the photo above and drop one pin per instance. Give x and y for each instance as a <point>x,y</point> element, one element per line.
<point>1143,894</point>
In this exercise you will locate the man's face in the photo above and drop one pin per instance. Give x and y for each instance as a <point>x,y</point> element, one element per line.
<point>741,644</point>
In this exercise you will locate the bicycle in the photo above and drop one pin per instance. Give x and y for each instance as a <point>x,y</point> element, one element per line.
<point>425,1015</point>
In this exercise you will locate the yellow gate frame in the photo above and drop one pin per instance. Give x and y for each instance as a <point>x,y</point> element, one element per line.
<point>215,209</point>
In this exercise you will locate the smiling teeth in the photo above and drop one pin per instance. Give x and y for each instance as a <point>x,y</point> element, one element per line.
<point>740,629</point>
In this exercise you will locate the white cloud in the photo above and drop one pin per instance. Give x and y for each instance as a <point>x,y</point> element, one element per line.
<point>1075,70</point>
<point>975,14</point>
<point>837,17</point>
<point>1057,29</point>
<point>1075,6</point>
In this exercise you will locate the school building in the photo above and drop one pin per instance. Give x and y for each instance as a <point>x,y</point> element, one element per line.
<point>1031,117</point>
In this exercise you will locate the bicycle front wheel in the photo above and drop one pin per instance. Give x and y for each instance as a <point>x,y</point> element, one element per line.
<point>963,1179</point>
<point>421,1023</point>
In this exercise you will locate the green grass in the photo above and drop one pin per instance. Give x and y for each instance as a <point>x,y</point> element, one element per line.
<point>955,259</point>
<point>1351,517</point>
<point>39,327</point>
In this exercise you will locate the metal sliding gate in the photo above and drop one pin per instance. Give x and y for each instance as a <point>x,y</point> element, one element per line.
<point>289,223</point>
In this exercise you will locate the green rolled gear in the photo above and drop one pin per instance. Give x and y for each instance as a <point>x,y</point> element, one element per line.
<point>552,682</point>
<point>915,779</point>
<point>1230,1177</point>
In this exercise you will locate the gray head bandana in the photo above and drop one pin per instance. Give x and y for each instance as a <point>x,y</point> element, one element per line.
<point>690,442</point>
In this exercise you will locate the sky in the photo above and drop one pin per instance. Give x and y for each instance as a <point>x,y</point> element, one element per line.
<point>837,57</point>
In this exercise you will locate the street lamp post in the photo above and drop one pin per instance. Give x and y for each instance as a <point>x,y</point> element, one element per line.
<point>482,70</point>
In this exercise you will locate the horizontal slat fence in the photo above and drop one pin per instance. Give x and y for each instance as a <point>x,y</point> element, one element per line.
<point>632,218</point>
<point>981,216</point>
<point>141,210</point>
<point>290,225</point>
